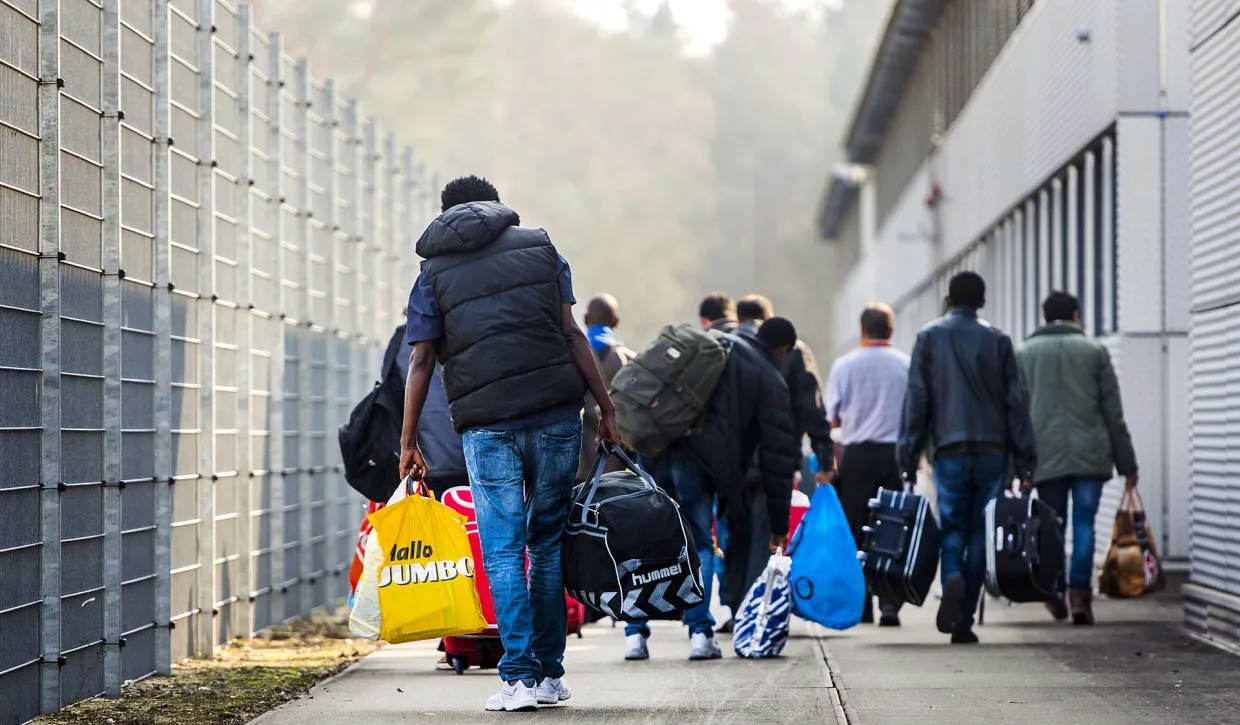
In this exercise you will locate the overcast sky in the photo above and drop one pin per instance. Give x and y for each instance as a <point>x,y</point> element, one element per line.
<point>705,22</point>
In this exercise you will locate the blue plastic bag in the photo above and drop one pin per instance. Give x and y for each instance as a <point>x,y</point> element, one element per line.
<point>763,620</point>
<point>828,586</point>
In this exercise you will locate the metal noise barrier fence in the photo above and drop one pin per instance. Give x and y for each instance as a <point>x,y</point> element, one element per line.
<point>202,252</point>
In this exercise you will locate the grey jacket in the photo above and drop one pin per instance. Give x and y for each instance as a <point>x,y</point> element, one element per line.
<point>965,393</point>
<point>441,445</point>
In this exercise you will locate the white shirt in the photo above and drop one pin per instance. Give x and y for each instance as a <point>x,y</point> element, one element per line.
<point>865,392</point>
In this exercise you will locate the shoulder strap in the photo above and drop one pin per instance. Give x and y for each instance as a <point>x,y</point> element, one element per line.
<point>389,355</point>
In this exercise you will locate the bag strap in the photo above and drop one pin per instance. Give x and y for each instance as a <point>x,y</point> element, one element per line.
<point>418,488</point>
<point>605,451</point>
<point>389,355</point>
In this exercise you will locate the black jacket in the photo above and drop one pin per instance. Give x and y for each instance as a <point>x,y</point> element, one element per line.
<point>805,387</point>
<point>965,392</point>
<point>749,412</point>
<point>800,374</point>
<point>504,352</point>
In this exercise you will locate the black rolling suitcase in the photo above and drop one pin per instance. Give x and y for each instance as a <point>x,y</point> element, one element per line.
<point>1024,550</point>
<point>900,549</point>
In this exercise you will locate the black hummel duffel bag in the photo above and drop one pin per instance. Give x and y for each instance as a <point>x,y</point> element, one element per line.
<point>627,551</point>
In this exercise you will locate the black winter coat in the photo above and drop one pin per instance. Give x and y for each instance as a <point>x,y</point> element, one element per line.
<point>805,388</point>
<point>749,412</point>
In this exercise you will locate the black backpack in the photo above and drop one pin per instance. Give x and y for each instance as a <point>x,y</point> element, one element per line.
<point>370,441</point>
<point>627,552</point>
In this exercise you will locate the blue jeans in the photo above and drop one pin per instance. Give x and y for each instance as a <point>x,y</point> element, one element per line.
<point>965,484</point>
<point>522,483</point>
<point>697,504</point>
<point>1086,495</point>
<point>721,531</point>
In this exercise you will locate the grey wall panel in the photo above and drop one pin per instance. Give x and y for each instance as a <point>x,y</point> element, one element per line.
<point>1215,335</point>
<point>1209,16</point>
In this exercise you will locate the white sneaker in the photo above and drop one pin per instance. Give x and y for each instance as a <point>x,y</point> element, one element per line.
<point>514,697</point>
<point>704,648</point>
<point>552,691</point>
<point>637,647</point>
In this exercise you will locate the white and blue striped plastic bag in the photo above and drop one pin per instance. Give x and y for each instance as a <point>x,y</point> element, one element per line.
<point>764,617</point>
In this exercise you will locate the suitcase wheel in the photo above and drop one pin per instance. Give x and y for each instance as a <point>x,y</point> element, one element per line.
<point>459,665</point>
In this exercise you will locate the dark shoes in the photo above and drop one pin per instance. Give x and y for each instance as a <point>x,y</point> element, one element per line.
<point>889,620</point>
<point>964,635</point>
<point>1058,609</point>
<point>1082,599</point>
<point>949,606</point>
<point>727,627</point>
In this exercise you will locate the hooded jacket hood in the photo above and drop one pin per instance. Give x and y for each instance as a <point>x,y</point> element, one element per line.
<point>466,228</point>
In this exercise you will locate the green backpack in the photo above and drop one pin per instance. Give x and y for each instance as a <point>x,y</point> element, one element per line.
<point>663,392</point>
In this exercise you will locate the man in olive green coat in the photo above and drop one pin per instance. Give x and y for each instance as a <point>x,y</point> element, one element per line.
<point>1078,422</point>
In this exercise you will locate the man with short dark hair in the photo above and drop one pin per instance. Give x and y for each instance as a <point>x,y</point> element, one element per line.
<point>494,303</point>
<point>865,396</point>
<point>966,397</point>
<point>1078,422</point>
<point>717,312</point>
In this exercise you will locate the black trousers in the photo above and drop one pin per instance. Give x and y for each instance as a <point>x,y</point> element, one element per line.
<point>864,469</point>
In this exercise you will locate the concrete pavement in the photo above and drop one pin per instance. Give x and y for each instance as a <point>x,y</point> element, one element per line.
<point>1135,666</point>
<point>400,684</point>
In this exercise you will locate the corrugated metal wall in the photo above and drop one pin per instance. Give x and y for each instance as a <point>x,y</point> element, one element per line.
<point>1214,595</point>
<point>203,250</point>
<point>1067,169</point>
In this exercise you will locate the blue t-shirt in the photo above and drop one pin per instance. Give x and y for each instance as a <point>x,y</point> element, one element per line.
<point>424,323</point>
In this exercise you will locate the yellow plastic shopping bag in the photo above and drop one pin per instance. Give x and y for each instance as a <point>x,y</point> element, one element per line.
<point>425,571</point>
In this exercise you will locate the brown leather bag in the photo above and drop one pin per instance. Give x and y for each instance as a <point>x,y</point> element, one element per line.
<point>1132,567</point>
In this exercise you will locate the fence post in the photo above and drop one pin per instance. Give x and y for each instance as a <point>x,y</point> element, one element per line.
<point>161,175</point>
<point>243,619</point>
<point>111,495</point>
<point>204,640</point>
<point>279,576</point>
<point>49,305</point>
<point>304,475</point>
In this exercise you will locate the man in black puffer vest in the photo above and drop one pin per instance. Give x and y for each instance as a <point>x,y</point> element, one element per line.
<point>494,304</point>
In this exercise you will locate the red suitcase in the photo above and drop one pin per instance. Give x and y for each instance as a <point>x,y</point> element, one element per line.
<point>484,649</point>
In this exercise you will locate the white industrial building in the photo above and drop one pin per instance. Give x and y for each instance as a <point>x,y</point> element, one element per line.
<point>1086,145</point>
